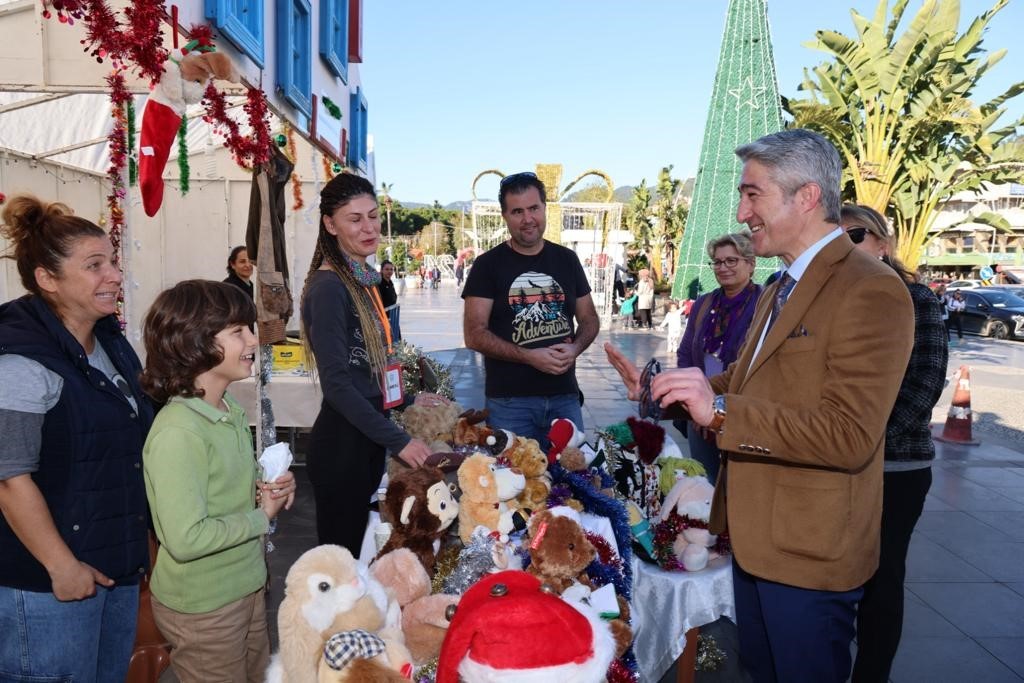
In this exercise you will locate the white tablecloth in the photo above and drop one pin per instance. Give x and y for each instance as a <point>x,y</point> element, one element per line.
<point>668,604</point>
<point>296,399</point>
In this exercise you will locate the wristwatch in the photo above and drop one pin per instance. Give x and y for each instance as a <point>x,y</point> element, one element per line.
<point>718,419</point>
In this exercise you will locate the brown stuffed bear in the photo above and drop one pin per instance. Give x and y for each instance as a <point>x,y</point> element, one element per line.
<point>528,458</point>
<point>559,555</point>
<point>420,507</point>
<point>486,490</point>
<point>433,423</point>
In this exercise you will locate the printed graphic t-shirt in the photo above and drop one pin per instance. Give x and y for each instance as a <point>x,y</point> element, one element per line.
<point>534,307</point>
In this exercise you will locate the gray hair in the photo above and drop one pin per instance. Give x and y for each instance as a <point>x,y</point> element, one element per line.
<point>739,240</point>
<point>797,157</point>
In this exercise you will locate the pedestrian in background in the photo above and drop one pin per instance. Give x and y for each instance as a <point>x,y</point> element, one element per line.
<point>956,304</point>
<point>645,299</point>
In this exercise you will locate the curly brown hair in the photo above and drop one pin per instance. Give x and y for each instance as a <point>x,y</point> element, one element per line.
<point>179,333</point>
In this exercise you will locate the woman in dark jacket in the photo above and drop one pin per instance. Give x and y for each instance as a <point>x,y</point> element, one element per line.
<point>909,452</point>
<point>73,532</point>
<point>240,270</point>
<point>348,339</point>
<point>717,326</point>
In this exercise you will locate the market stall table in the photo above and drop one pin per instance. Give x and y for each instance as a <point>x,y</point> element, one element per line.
<point>296,399</point>
<point>668,609</point>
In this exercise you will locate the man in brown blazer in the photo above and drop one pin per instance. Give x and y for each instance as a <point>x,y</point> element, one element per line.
<point>801,416</point>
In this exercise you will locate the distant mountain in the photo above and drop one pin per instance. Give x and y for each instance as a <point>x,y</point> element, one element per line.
<point>623,193</point>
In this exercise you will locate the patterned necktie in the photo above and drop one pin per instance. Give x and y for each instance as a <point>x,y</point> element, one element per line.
<point>786,284</point>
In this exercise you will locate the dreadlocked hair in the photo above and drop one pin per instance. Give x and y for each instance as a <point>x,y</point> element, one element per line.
<point>342,189</point>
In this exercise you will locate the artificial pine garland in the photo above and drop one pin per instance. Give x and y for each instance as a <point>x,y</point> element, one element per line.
<point>183,168</point>
<point>133,166</point>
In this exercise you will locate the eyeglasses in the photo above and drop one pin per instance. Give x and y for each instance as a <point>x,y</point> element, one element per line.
<point>516,176</point>
<point>728,262</point>
<point>649,408</point>
<point>857,235</point>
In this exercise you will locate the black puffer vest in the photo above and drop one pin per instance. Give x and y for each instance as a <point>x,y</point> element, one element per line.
<point>90,467</point>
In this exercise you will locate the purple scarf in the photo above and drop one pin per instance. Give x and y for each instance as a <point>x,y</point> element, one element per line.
<point>725,325</point>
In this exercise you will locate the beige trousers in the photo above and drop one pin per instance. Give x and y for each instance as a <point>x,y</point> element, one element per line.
<point>228,645</point>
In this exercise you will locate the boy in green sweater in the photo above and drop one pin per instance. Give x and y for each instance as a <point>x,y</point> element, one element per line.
<point>209,509</point>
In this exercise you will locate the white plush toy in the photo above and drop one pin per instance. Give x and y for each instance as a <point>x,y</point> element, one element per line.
<point>328,592</point>
<point>691,497</point>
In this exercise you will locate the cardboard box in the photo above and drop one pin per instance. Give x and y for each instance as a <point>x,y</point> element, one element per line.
<point>289,359</point>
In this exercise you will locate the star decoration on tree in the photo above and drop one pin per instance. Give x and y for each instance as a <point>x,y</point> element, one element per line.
<point>752,93</point>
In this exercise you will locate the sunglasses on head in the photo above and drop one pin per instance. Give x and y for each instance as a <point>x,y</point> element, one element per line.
<point>857,235</point>
<point>649,408</point>
<point>516,176</point>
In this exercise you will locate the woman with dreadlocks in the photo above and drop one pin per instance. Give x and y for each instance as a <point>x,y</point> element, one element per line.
<point>348,341</point>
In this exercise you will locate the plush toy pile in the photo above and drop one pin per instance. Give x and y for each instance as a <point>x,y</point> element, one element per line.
<point>498,560</point>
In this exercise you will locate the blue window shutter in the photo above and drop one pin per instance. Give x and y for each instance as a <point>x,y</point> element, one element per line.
<point>294,67</point>
<point>334,28</point>
<point>358,129</point>
<point>241,22</point>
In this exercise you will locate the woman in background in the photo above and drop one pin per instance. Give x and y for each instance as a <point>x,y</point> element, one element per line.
<point>717,326</point>
<point>240,270</point>
<point>909,452</point>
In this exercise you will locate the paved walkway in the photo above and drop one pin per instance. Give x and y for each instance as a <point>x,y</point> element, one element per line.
<point>965,574</point>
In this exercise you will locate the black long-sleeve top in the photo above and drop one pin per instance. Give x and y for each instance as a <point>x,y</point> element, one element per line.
<point>346,379</point>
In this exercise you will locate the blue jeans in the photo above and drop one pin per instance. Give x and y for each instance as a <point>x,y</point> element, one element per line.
<point>43,640</point>
<point>531,416</point>
<point>393,320</point>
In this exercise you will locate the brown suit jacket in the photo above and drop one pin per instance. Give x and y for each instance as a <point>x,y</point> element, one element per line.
<point>803,437</point>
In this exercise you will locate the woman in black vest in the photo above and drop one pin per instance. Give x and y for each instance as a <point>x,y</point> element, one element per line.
<point>73,531</point>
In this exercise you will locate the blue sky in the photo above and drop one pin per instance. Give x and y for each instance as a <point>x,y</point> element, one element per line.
<point>459,86</point>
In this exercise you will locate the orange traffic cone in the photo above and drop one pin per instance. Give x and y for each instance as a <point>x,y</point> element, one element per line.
<point>958,422</point>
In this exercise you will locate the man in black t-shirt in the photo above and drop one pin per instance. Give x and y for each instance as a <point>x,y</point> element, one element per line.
<point>529,311</point>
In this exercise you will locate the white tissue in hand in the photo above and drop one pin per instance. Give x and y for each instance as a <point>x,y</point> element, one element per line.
<point>275,461</point>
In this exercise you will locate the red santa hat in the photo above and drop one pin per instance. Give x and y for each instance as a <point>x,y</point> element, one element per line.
<point>507,629</point>
<point>563,433</point>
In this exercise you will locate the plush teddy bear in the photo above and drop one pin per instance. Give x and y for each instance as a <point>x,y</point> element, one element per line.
<point>432,422</point>
<point>690,499</point>
<point>425,617</point>
<point>183,82</point>
<point>500,441</point>
<point>559,555</point>
<point>420,507</point>
<point>528,458</point>
<point>470,430</point>
<point>486,490</point>
<point>328,592</point>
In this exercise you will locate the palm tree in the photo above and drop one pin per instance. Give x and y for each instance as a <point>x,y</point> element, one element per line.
<point>898,108</point>
<point>638,219</point>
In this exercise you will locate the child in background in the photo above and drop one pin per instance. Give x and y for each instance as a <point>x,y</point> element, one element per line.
<point>627,309</point>
<point>674,322</point>
<point>209,510</point>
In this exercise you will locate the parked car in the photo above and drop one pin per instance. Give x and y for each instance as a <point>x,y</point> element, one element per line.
<point>994,313</point>
<point>1016,290</point>
<point>963,284</point>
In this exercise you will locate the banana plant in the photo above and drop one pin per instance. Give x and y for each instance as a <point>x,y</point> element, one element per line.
<point>899,110</point>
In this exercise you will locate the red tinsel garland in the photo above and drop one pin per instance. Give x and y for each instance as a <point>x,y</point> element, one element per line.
<point>665,534</point>
<point>248,151</point>
<point>118,143</point>
<point>133,43</point>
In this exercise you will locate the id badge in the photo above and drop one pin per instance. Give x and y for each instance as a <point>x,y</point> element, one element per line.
<point>391,387</point>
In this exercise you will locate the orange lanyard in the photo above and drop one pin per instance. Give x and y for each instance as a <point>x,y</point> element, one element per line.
<point>379,306</point>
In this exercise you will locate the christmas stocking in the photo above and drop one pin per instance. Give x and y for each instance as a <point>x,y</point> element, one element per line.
<point>160,122</point>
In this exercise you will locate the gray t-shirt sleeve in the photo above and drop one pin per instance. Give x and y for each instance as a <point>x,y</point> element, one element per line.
<point>27,392</point>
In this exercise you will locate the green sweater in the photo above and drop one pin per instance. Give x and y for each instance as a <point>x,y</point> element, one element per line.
<point>201,484</point>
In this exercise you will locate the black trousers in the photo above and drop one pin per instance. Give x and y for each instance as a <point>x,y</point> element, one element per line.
<point>345,468</point>
<point>880,615</point>
<point>952,321</point>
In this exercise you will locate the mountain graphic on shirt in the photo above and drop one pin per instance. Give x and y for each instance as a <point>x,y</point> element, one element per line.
<point>538,306</point>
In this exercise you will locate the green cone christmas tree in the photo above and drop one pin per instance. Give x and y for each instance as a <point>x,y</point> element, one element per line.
<point>744,106</point>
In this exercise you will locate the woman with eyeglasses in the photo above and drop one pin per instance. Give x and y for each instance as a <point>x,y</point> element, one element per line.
<point>908,454</point>
<point>716,328</point>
